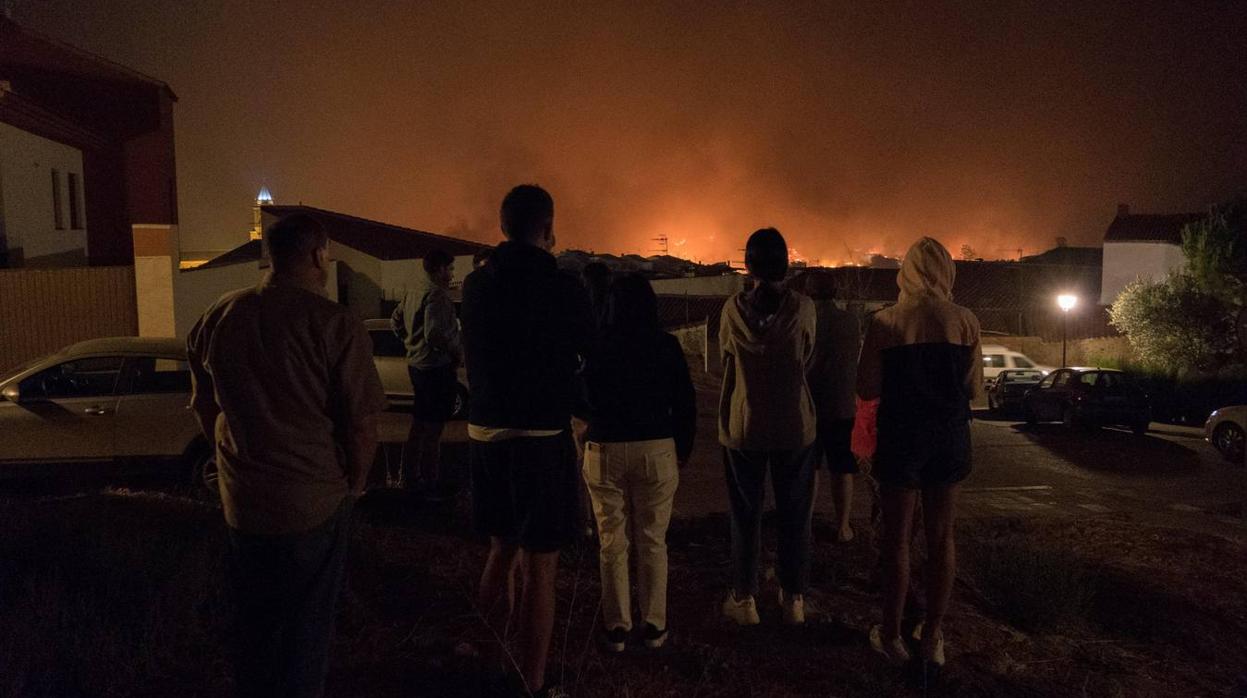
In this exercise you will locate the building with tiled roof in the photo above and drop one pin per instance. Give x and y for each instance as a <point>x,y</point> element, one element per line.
<point>1141,246</point>
<point>374,262</point>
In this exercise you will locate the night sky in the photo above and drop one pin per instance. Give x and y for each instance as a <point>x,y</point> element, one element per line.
<point>850,128</point>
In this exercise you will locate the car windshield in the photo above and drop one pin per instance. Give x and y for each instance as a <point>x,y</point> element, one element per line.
<point>5,375</point>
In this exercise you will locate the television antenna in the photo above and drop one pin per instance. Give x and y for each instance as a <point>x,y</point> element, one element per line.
<point>663,244</point>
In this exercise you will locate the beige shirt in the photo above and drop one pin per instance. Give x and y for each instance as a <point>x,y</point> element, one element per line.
<point>291,372</point>
<point>765,404</point>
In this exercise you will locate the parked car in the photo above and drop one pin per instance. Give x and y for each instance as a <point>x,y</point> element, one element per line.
<point>105,410</point>
<point>1006,391</point>
<point>997,358</point>
<point>102,410</point>
<point>1226,429</point>
<point>1088,397</point>
<point>391,359</point>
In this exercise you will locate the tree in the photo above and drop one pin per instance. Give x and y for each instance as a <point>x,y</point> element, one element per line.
<point>1175,324</point>
<point>968,254</point>
<point>1216,252</point>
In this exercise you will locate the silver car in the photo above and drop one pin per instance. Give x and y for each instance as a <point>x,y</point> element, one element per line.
<point>102,408</point>
<point>1226,429</point>
<point>390,356</point>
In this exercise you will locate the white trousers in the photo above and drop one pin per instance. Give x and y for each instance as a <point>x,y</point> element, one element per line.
<point>632,485</point>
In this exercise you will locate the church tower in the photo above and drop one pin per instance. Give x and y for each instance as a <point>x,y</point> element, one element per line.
<point>264,198</point>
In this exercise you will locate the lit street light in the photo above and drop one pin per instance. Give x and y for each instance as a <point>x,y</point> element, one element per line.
<point>1067,302</point>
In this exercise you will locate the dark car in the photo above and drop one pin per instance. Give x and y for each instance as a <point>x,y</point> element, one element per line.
<point>1006,391</point>
<point>1088,397</point>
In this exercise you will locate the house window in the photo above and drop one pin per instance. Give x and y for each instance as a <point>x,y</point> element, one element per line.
<point>75,209</point>
<point>58,218</point>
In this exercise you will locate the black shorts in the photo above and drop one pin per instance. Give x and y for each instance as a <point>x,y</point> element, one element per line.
<point>433,393</point>
<point>835,438</point>
<point>917,458</point>
<point>526,491</point>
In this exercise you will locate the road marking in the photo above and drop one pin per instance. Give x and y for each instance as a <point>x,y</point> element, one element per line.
<point>1184,507</point>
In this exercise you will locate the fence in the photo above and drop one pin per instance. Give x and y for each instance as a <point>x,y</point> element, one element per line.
<point>42,310</point>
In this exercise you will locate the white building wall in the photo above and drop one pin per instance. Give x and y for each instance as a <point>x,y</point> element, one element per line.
<point>397,276</point>
<point>196,290</point>
<point>26,211</point>
<point>1124,262</point>
<point>724,285</point>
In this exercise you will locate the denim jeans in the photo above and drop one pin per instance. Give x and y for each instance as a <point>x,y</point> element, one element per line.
<point>286,591</point>
<point>792,478</point>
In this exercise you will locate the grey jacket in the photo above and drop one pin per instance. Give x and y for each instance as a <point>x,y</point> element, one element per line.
<point>425,322</point>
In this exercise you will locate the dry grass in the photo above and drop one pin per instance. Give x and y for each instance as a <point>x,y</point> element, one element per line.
<point>120,594</point>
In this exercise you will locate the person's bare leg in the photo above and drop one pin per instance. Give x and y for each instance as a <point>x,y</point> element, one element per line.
<point>495,599</point>
<point>842,493</point>
<point>898,520</point>
<point>939,515</point>
<point>536,616</point>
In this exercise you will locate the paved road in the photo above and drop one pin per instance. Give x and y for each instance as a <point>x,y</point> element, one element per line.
<point>1169,477</point>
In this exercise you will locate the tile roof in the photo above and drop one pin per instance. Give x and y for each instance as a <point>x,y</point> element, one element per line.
<point>1150,227</point>
<point>380,240</point>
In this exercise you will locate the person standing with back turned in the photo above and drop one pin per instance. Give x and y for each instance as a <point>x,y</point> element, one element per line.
<point>286,390</point>
<point>642,416</point>
<point>426,324</point>
<point>921,361</point>
<point>527,328</point>
<point>833,384</point>
<point>766,422</point>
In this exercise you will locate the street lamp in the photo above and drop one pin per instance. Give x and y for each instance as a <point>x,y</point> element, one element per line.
<point>1067,301</point>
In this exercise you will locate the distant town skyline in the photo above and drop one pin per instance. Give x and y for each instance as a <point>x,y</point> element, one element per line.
<point>851,128</point>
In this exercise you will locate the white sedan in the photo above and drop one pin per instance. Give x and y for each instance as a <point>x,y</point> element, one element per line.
<point>1225,429</point>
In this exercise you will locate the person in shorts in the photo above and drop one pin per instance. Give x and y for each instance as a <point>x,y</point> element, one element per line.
<point>527,328</point>
<point>832,378</point>
<point>920,367</point>
<point>426,324</point>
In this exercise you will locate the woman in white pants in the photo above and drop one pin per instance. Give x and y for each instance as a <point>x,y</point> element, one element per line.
<point>642,415</point>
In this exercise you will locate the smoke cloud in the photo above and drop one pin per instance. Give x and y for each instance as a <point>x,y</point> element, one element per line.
<point>851,128</point>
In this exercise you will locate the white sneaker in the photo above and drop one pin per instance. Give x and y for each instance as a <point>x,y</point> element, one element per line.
<point>741,611</point>
<point>893,650</point>
<point>793,608</point>
<point>937,652</point>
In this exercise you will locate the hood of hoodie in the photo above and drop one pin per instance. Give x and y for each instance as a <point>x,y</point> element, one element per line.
<point>927,270</point>
<point>782,327</point>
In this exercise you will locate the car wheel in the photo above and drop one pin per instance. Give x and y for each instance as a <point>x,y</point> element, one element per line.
<point>1029,415</point>
<point>1069,417</point>
<point>203,477</point>
<point>1229,440</point>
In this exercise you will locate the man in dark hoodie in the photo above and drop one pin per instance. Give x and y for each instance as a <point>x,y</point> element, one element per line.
<point>766,422</point>
<point>527,327</point>
<point>921,365</point>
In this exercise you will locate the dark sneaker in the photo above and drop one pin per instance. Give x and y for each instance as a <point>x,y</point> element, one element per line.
<point>614,640</point>
<point>653,636</point>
